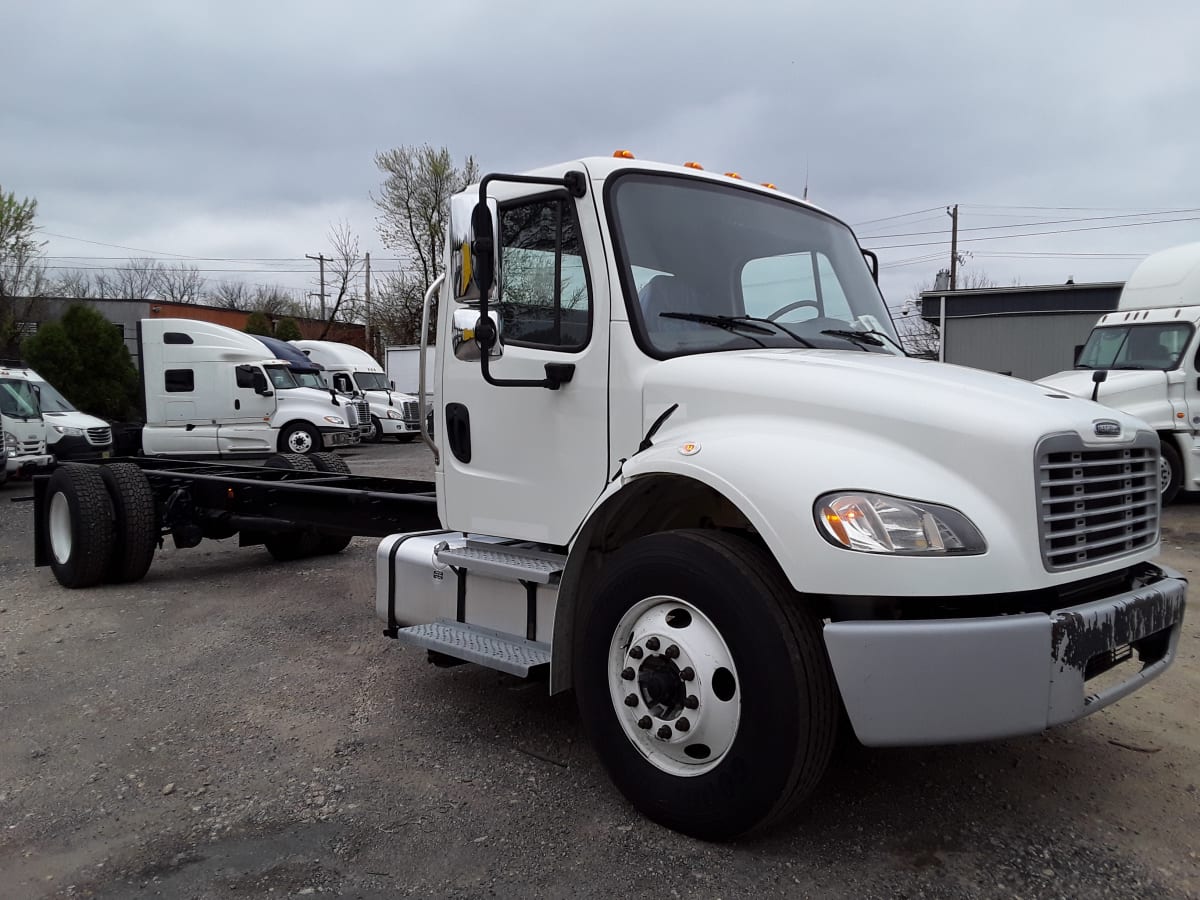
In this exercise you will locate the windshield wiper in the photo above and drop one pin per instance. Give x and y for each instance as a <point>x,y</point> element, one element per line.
<point>746,322</point>
<point>887,337</point>
<point>862,337</point>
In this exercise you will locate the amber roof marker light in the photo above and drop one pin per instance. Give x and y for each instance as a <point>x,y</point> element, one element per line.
<point>623,154</point>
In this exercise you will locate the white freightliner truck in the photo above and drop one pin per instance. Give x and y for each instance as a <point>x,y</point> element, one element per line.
<point>1144,359</point>
<point>683,468</point>
<point>212,391</point>
<point>349,370</point>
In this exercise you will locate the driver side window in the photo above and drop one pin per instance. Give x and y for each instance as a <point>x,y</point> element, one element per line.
<point>805,282</point>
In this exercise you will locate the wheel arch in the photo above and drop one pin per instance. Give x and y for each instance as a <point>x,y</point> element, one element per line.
<point>648,504</point>
<point>286,428</point>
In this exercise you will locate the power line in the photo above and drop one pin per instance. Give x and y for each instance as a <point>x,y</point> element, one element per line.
<point>1001,237</point>
<point>1036,224</point>
<point>915,212</point>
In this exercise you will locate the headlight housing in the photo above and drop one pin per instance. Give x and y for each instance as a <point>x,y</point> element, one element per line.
<point>10,444</point>
<point>392,414</point>
<point>877,523</point>
<point>335,420</point>
<point>68,430</point>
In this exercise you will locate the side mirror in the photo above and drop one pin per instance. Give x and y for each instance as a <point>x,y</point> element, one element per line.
<point>392,384</point>
<point>1078,350</point>
<point>473,246</point>
<point>260,384</point>
<point>472,335</point>
<point>872,264</point>
<point>1098,378</point>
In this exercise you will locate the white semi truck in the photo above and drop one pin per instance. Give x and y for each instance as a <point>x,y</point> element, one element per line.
<point>349,370</point>
<point>683,468</point>
<point>1144,359</point>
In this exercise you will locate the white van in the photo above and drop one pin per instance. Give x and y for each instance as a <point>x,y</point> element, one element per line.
<point>348,369</point>
<point>22,426</point>
<point>214,391</point>
<point>1144,359</point>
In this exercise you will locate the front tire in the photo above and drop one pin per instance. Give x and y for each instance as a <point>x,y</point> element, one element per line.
<point>1170,472</point>
<point>300,437</point>
<point>79,525</point>
<point>704,684</point>
<point>377,435</point>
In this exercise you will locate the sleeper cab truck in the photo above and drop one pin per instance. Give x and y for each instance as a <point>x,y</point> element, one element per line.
<point>308,375</point>
<point>349,370</point>
<point>211,391</point>
<point>684,468</point>
<point>1144,359</point>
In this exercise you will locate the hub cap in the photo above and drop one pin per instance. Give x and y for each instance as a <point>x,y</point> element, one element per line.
<point>1164,474</point>
<point>670,658</point>
<point>60,528</point>
<point>300,442</point>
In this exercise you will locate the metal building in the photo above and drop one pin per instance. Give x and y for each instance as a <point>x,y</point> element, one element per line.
<point>1027,331</point>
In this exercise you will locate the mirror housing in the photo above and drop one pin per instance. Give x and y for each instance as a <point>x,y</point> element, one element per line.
<point>471,335</point>
<point>470,257</point>
<point>872,263</point>
<point>261,387</point>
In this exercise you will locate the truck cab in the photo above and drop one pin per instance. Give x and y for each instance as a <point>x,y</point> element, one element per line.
<point>22,426</point>
<point>349,370</point>
<point>1144,359</point>
<point>213,391</point>
<point>308,375</point>
<point>684,468</point>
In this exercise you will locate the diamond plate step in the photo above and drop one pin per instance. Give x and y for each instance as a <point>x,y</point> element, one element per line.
<point>507,562</point>
<point>494,649</point>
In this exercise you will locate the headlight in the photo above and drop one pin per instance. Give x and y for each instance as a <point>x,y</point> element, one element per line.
<point>877,523</point>
<point>68,430</point>
<point>10,444</point>
<point>392,414</point>
<point>335,420</point>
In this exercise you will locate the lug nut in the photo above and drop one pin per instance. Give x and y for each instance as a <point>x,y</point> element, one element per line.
<point>636,652</point>
<point>652,643</point>
<point>683,724</point>
<point>644,722</point>
<point>631,700</point>
<point>665,732</point>
<point>692,702</point>
<point>627,673</point>
<point>687,673</point>
<point>672,652</point>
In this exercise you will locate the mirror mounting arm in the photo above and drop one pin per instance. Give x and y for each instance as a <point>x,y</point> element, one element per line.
<point>484,251</point>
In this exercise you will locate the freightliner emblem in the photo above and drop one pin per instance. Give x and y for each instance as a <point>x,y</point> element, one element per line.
<point>1108,428</point>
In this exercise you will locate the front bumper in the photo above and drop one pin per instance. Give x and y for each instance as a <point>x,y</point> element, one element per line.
<point>338,437</point>
<point>69,448</point>
<point>943,681</point>
<point>27,466</point>
<point>398,426</point>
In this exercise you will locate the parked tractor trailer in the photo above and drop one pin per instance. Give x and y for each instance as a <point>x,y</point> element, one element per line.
<point>684,469</point>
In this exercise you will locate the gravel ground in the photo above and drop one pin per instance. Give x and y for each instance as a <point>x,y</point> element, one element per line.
<point>237,727</point>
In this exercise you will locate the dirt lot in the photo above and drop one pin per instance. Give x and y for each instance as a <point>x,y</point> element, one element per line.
<point>236,727</point>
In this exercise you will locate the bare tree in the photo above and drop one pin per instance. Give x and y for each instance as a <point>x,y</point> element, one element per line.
<point>920,337</point>
<point>76,283</point>
<point>414,209</point>
<point>396,308</point>
<point>180,284</point>
<point>138,279</point>
<point>22,270</point>
<point>274,300</point>
<point>230,294</point>
<point>345,266</point>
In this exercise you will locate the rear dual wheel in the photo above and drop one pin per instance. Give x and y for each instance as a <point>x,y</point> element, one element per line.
<point>300,544</point>
<point>705,685</point>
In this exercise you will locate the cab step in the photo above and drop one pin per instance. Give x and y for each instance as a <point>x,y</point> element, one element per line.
<point>473,643</point>
<point>507,562</point>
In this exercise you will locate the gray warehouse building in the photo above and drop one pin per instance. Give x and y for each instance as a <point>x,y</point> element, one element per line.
<point>1028,332</point>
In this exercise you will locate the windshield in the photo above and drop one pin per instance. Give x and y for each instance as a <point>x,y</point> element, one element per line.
<point>309,380</point>
<point>766,272</point>
<point>17,399</point>
<point>52,401</point>
<point>281,377</point>
<point>1151,345</point>
<point>371,381</point>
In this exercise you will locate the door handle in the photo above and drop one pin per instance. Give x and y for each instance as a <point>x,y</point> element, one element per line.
<point>458,431</point>
<point>237,404</point>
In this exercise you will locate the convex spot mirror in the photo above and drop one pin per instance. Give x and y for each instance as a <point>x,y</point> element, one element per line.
<point>473,261</point>
<point>472,335</point>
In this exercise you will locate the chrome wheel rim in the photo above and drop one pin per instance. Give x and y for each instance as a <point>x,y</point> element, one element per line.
<point>674,686</point>
<point>1164,474</point>
<point>60,528</point>
<point>300,442</point>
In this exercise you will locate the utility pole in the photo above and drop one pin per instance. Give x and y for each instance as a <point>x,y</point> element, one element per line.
<point>952,212</point>
<point>367,303</point>
<point>321,260</point>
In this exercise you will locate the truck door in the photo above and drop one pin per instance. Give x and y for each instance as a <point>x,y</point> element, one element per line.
<point>528,462</point>
<point>245,424</point>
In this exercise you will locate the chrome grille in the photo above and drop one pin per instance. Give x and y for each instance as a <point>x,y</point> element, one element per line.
<point>351,414</point>
<point>1096,504</point>
<point>410,411</point>
<point>99,436</point>
<point>364,414</point>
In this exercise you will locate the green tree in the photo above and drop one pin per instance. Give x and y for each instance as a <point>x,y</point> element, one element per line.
<point>258,323</point>
<point>85,357</point>
<point>22,271</point>
<point>288,330</point>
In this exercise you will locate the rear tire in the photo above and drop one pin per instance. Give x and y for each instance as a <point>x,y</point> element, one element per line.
<point>1170,472</point>
<point>300,437</point>
<point>329,462</point>
<point>298,544</point>
<point>406,438</point>
<point>135,519</point>
<point>79,525</point>
<point>754,683</point>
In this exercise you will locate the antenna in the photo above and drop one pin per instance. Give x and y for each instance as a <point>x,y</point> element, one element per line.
<point>805,197</point>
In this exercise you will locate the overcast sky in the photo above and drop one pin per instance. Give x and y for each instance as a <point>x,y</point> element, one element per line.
<point>242,130</point>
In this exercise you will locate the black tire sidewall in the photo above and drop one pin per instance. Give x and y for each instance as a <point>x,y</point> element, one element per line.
<point>285,439</point>
<point>134,543</point>
<point>91,529</point>
<point>745,786</point>
<point>1171,455</point>
<point>377,437</point>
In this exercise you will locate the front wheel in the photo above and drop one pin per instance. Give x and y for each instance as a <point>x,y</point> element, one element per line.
<point>1170,472</point>
<point>300,437</point>
<point>704,684</point>
<point>377,435</point>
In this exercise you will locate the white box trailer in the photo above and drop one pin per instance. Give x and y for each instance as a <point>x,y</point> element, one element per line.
<point>404,369</point>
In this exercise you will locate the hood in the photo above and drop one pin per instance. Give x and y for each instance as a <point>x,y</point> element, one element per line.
<point>941,410</point>
<point>1139,392</point>
<point>73,419</point>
